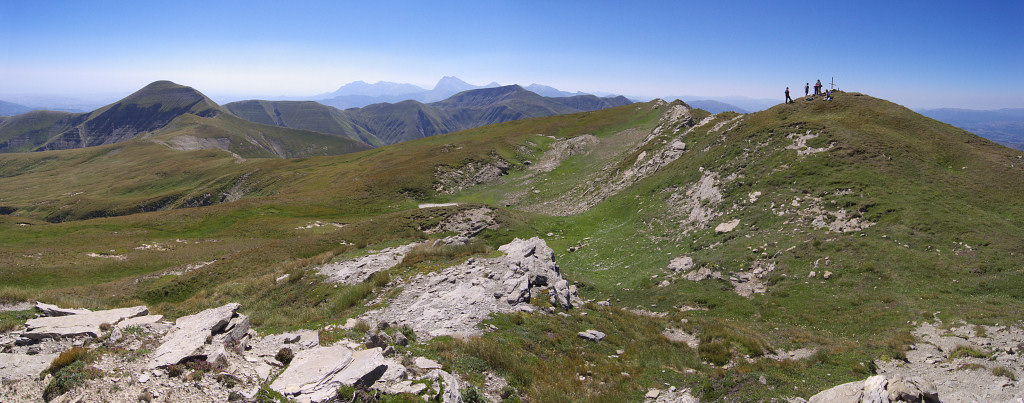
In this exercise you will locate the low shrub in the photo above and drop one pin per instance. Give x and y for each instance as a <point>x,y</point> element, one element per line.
<point>284,355</point>
<point>175,370</point>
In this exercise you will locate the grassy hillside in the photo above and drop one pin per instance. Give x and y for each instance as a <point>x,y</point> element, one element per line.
<point>305,115</point>
<point>912,218</point>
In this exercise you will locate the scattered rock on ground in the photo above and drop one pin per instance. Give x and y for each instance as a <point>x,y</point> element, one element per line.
<point>316,374</point>
<point>591,334</point>
<point>82,324</point>
<point>189,335</point>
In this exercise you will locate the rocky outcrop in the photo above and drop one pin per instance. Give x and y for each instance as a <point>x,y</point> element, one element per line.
<point>82,324</point>
<point>453,301</point>
<point>316,374</point>
<point>880,389</point>
<point>353,271</point>
<point>188,338</point>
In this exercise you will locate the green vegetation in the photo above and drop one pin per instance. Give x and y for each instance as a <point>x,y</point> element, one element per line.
<point>69,370</point>
<point>943,207</point>
<point>966,351</point>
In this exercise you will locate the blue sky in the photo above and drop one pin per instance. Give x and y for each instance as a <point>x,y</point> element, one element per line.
<point>916,53</point>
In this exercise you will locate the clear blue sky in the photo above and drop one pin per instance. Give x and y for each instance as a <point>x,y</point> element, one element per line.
<point>916,53</point>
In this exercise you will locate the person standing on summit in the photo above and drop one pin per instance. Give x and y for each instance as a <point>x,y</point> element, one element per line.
<point>788,99</point>
<point>817,88</point>
<point>807,87</point>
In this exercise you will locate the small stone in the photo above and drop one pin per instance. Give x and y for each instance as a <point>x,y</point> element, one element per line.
<point>827,274</point>
<point>652,394</point>
<point>811,274</point>
<point>592,335</point>
<point>426,363</point>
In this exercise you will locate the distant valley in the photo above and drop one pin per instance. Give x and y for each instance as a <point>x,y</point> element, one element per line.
<point>1004,126</point>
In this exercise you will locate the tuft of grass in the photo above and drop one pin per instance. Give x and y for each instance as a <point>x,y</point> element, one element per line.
<point>66,358</point>
<point>429,252</point>
<point>966,351</point>
<point>1004,372</point>
<point>716,352</point>
<point>68,377</point>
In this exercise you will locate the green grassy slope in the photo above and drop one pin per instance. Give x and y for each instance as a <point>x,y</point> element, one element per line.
<point>943,207</point>
<point>305,115</point>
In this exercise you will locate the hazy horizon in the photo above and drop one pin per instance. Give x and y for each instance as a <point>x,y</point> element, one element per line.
<point>922,55</point>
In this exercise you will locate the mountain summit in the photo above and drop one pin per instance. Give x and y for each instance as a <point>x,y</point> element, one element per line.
<point>148,109</point>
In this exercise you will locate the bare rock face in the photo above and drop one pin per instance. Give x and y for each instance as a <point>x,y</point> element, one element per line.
<point>316,374</point>
<point>188,336</point>
<point>82,324</point>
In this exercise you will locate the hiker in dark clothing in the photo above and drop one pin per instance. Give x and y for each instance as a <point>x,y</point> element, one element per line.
<point>807,87</point>
<point>817,88</point>
<point>788,99</point>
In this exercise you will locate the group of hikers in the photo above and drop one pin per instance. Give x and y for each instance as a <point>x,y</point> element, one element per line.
<point>817,91</point>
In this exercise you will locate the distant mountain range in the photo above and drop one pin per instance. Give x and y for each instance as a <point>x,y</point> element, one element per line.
<point>389,123</point>
<point>181,117</point>
<point>170,114</point>
<point>11,109</point>
<point>1004,126</point>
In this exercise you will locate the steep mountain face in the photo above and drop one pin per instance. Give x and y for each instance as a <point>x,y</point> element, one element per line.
<point>148,109</point>
<point>387,123</point>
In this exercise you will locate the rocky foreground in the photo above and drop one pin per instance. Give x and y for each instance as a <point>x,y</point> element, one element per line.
<point>129,354</point>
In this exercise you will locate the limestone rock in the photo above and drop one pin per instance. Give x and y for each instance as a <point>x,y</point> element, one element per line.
<point>845,393</point>
<point>188,336</point>
<point>455,300</point>
<point>727,226</point>
<point>426,363</point>
<point>879,389</point>
<point>451,385</point>
<point>680,264</point>
<point>84,324</point>
<point>592,335</point>
<point>533,257</point>
<point>316,374</point>
<point>22,366</point>
<point>140,321</point>
<point>54,310</point>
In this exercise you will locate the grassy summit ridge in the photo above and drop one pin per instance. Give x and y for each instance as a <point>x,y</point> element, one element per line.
<point>912,218</point>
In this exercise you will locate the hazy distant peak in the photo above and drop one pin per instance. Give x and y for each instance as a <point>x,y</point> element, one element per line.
<point>450,83</point>
<point>380,88</point>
